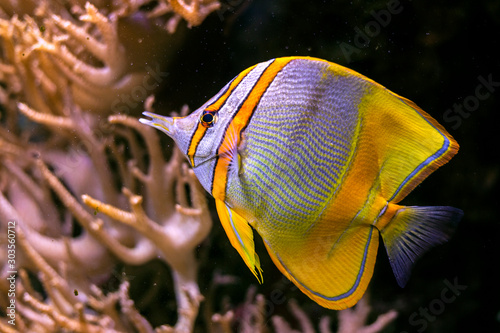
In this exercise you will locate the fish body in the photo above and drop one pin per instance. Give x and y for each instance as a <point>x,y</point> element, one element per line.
<point>315,157</point>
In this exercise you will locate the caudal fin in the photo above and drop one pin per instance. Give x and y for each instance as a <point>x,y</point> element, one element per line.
<point>413,231</point>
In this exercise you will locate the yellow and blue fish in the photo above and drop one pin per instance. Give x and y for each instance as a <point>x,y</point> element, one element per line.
<point>315,157</point>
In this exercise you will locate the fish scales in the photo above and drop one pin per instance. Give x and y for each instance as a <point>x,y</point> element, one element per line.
<point>308,117</point>
<point>316,157</point>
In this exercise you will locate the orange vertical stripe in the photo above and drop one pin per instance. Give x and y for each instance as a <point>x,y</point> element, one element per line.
<point>238,123</point>
<point>195,141</point>
<point>215,106</point>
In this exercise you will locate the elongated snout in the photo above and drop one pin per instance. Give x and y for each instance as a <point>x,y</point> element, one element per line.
<point>164,124</point>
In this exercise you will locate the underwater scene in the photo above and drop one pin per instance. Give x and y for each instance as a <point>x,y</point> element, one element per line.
<point>249,166</point>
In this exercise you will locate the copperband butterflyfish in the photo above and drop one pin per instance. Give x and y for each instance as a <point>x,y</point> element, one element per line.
<point>316,157</point>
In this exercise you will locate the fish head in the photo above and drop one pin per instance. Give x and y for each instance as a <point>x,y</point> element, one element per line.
<point>181,130</point>
<point>197,135</point>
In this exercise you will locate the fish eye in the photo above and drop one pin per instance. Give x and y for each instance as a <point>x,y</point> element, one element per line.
<point>208,118</point>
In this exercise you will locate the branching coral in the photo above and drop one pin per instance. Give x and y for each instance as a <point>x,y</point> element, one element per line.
<point>51,51</point>
<point>181,226</point>
<point>59,75</point>
<point>47,59</point>
<point>168,223</point>
<point>95,313</point>
<point>254,318</point>
<point>193,11</point>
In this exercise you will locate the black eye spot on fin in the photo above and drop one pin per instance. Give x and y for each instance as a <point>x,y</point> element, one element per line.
<point>208,118</point>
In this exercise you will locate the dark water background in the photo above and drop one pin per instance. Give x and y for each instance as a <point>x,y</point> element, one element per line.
<point>438,54</point>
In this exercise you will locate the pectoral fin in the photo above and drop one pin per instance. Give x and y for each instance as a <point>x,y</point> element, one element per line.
<point>240,234</point>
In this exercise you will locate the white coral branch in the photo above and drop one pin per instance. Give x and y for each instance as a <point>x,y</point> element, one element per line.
<point>58,122</point>
<point>109,51</point>
<point>354,320</point>
<point>196,11</point>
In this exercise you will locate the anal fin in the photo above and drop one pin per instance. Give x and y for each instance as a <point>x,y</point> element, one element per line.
<point>240,235</point>
<point>333,274</point>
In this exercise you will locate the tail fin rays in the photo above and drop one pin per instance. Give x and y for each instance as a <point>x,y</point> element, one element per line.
<point>413,231</point>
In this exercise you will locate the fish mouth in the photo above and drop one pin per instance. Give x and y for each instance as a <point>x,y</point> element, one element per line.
<point>165,124</point>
